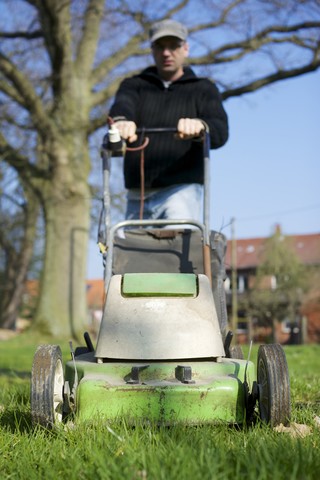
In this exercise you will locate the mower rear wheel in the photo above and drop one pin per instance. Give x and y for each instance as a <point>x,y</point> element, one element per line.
<point>47,381</point>
<point>273,385</point>
<point>236,352</point>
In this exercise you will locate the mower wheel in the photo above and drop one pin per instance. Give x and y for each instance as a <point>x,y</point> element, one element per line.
<point>273,385</point>
<point>47,382</point>
<point>236,352</point>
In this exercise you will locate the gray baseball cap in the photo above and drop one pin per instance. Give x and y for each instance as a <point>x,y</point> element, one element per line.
<point>168,28</point>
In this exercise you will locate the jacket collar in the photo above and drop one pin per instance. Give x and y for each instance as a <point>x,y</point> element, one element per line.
<point>151,73</point>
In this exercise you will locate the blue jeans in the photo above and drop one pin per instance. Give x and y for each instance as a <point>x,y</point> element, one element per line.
<point>176,202</point>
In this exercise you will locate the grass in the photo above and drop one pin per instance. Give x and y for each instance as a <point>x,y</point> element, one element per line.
<point>116,451</point>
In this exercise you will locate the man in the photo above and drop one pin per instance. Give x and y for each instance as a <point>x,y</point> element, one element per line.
<point>168,95</point>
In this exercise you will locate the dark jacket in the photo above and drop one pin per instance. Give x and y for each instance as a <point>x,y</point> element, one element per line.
<point>169,161</point>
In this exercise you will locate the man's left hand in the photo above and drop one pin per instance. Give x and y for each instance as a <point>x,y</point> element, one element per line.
<point>189,128</point>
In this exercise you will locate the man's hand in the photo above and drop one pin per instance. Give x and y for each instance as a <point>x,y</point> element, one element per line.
<point>189,128</point>
<point>127,130</point>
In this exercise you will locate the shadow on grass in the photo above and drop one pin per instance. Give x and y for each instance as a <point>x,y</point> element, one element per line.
<point>16,421</point>
<point>15,400</point>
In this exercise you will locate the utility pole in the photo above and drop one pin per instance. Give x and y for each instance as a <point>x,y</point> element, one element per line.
<point>234,288</point>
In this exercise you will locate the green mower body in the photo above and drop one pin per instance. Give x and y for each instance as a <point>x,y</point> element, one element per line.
<point>193,392</point>
<point>160,356</point>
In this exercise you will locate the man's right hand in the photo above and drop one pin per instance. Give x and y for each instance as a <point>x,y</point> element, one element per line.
<point>127,130</point>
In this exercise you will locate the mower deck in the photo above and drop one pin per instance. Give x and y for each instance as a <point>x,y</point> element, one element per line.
<point>194,392</point>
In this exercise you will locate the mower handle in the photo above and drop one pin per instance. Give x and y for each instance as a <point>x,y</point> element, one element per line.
<point>117,150</point>
<point>157,130</point>
<point>106,154</point>
<point>112,142</point>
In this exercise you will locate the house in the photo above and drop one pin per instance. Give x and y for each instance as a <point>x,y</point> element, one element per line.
<point>95,300</point>
<point>249,255</point>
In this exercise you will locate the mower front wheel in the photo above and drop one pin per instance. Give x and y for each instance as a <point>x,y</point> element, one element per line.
<point>273,385</point>
<point>47,382</point>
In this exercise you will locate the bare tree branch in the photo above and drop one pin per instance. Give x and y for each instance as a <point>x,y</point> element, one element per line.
<point>12,119</point>
<point>130,49</point>
<point>140,16</point>
<point>101,96</point>
<point>25,35</point>
<point>27,171</point>
<point>11,92</point>
<point>220,21</point>
<point>254,43</point>
<point>267,80</point>
<point>54,16</point>
<point>88,44</point>
<point>21,88</point>
<point>17,257</point>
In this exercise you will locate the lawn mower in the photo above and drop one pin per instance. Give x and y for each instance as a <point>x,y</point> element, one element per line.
<point>163,352</point>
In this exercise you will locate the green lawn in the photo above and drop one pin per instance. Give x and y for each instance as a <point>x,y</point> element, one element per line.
<point>117,451</point>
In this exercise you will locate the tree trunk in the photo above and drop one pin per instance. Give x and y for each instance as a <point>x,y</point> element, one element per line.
<point>15,279</point>
<point>62,303</point>
<point>17,265</point>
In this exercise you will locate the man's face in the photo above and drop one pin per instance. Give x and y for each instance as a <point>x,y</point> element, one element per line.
<point>169,54</point>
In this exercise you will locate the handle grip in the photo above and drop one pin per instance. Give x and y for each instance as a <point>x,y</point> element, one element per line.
<point>157,130</point>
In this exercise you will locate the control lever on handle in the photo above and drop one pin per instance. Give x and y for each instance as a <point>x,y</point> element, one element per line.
<point>113,141</point>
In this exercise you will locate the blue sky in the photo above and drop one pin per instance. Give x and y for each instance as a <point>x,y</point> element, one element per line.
<point>269,171</point>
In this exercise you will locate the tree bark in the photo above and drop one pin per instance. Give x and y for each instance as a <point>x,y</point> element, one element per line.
<point>62,302</point>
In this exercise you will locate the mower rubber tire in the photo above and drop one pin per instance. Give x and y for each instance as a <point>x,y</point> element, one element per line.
<point>236,352</point>
<point>47,382</point>
<point>273,385</point>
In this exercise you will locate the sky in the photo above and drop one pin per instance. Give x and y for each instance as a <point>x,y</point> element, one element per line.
<point>268,173</point>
